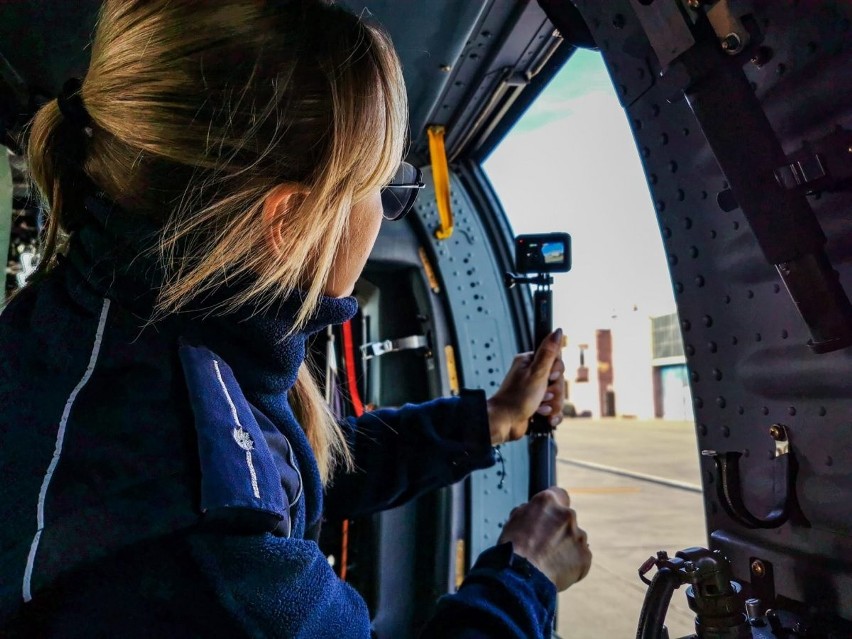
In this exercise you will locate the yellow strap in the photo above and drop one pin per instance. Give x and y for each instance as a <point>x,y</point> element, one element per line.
<point>452,371</point>
<point>441,176</point>
<point>460,557</point>
<point>430,272</point>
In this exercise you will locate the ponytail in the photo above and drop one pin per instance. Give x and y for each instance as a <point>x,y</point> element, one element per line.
<point>58,140</point>
<point>319,424</point>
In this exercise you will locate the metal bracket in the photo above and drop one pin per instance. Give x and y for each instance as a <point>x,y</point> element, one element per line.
<point>762,580</point>
<point>783,222</point>
<point>669,28</point>
<point>732,34</point>
<point>822,165</point>
<point>801,172</point>
<point>377,349</point>
<point>778,432</point>
<point>729,484</point>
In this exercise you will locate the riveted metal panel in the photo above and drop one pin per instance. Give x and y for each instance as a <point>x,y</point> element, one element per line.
<point>486,344</point>
<point>745,342</point>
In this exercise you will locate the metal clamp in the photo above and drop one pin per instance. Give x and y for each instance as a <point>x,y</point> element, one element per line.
<point>732,34</point>
<point>824,164</point>
<point>802,172</point>
<point>377,349</point>
<point>778,432</point>
<point>729,484</point>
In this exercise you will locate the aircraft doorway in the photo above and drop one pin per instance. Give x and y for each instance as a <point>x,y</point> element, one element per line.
<point>627,453</point>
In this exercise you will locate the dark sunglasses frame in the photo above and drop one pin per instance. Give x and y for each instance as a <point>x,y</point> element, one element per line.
<point>404,193</point>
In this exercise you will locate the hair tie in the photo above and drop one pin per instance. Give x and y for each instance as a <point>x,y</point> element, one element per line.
<point>71,105</point>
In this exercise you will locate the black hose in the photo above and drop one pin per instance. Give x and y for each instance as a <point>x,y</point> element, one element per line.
<point>656,604</point>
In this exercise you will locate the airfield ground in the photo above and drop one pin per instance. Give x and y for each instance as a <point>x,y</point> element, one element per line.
<point>633,484</point>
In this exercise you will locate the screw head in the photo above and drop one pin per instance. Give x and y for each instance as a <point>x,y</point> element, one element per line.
<point>731,42</point>
<point>776,432</point>
<point>757,568</point>
<point>694,4</point>
<point>761,56</point>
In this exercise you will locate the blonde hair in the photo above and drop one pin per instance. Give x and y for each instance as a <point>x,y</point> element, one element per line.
<point>199,110</point>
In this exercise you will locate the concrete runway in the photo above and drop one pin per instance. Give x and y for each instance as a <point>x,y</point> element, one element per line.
<point>627,519</point>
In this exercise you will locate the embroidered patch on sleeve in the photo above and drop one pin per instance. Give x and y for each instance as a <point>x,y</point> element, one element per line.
<point>238,471</point>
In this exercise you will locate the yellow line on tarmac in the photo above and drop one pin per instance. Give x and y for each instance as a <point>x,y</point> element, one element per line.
<point>682,485</point>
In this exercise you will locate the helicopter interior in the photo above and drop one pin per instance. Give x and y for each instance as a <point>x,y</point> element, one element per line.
<point>741,111</point>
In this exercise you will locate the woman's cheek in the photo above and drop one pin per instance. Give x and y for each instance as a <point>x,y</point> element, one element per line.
<point>355,249</point>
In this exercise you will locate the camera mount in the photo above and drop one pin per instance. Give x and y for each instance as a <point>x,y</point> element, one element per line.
<point>540,433</point>
<point>542,279</point>
<point>537,258</point>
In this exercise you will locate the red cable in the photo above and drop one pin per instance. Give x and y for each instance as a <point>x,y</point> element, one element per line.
<point>358,407</point>
<point>351,380</point>
<point>344,549</point>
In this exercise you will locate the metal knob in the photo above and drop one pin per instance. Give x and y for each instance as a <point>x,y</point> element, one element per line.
<point>754,609</point>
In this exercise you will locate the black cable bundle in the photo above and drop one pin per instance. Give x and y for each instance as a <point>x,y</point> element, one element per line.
<point>656,604</point>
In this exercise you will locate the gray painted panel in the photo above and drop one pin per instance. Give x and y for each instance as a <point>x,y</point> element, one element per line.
<point>486,345</point>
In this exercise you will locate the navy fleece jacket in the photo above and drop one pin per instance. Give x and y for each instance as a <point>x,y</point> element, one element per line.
<point>156,482</point>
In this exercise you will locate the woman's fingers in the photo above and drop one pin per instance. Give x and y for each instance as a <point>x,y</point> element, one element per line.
<point>548,352</point>
<point>557,371</point>
<point>554,396</point>
<point>529,389</point>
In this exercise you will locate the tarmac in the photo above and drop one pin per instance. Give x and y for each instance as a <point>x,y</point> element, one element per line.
<point>635,486</point>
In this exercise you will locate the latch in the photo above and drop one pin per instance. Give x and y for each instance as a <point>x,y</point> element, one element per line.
<point>377,349</point>
<point>801,172</point>
<point>822,165</point>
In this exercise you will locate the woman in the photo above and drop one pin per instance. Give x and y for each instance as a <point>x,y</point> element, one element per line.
<point>215,185</point>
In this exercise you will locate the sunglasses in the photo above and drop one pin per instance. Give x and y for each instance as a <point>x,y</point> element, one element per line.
<point>398,197</point>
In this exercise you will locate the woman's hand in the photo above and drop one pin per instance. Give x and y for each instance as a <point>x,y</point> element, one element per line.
<point>534,384</point>
<point>545,533</point>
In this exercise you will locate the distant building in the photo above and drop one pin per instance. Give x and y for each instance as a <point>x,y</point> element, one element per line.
<point>636,368</point>
<point>672,397</point>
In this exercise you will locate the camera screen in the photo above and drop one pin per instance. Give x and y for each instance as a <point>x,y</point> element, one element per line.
<point>554,252</point>
<point>543,253</point>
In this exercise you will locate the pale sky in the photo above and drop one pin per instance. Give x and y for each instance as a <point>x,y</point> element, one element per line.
<point>571,164</point>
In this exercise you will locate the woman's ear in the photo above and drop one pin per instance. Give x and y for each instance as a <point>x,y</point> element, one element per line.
<point>276,205</point>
